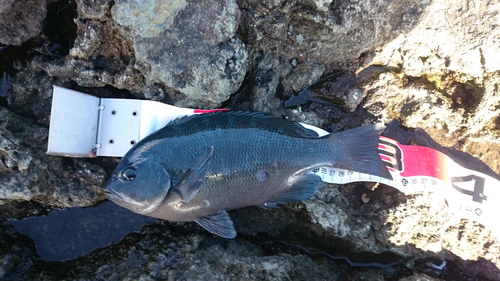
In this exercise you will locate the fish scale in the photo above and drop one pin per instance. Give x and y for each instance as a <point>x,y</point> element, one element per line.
<point>197,167</point>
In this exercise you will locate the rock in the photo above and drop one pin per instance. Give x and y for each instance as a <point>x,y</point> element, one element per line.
<point>100,56</point>
<point>27,173</point>
<point>6,5</point>
<point>190,47</point>
<point>190,56</point>
<point>147,19</point>
<point>21,20</point>
<point>415,226</point>
<point>182,256</point>
<point>339,88</point>
<point>95,9</point>
<point>17,254</point>
<point>446,80</point>
<point>5,84</point>
<point>322,35</point>
<point>32,94</point>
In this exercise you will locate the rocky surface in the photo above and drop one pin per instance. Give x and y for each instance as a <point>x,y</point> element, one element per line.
<point>21,20</point>
<point>189,47</point>
<point>448,86</point>
<point>27,173</point>
<point>336,64</point>
<point>162,253</point>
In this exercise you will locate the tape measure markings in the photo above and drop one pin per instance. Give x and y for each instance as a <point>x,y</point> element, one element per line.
<point>468,193</point>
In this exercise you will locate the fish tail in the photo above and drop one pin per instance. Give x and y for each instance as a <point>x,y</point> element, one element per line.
<point>357,150</point>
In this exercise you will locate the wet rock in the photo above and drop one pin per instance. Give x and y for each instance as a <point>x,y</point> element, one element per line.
<point>159,252</point>
<point>17,254</point>
<point>21,20</point>
<point>338,88</point>
<point>60,234</point>
<point>5,84</point>
<point>190,47</point>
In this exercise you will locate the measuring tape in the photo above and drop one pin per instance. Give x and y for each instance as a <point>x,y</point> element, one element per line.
<point>470,194</point>
<point>87,126</point>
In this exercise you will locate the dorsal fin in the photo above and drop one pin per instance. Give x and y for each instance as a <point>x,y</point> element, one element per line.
<point>182,119</point>
<point>243,119</point>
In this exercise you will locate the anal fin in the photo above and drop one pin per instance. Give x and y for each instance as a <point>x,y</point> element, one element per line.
<point>218,224</point>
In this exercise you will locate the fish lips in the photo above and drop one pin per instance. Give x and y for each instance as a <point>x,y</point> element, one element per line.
<point>117,198</point>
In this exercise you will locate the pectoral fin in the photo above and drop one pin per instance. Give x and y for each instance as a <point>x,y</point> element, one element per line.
<point>301,189</point>
<point>191,181</point>
<point>218,224</point>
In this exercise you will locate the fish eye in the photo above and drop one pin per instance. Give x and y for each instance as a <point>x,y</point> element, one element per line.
<point>129,174</point>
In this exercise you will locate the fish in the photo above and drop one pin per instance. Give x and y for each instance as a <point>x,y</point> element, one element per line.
<point>198,167</point>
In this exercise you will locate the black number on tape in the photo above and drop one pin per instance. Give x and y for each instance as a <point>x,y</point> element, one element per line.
<point>396,157</point>
<point>478,192</point>
<point>404,182</point>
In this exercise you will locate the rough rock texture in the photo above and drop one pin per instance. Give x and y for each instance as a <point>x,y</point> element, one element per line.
<point>190,46</point>
<point>320,35</point>
<point>101,55</point>
<point>21,20</point>
<point>430,65</point>
<point>185,53</point>
<point>420,226</point>
<point>447,78</point>
<point>183,256</point>
<point>26,173</point>
<point>18,251</point>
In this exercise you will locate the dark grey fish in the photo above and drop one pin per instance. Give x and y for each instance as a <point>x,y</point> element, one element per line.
<point>197,167</point>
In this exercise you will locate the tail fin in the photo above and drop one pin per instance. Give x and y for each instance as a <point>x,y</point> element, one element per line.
<point>357,149</point>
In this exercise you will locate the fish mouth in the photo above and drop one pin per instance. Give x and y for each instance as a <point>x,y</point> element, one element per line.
<point>111,195</point>
<point>118,200</point>
<point>124,201</point>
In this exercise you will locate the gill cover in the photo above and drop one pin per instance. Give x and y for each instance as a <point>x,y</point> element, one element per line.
<point>139,187</point>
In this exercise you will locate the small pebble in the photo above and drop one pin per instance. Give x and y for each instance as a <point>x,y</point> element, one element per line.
<point>365,198</point>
